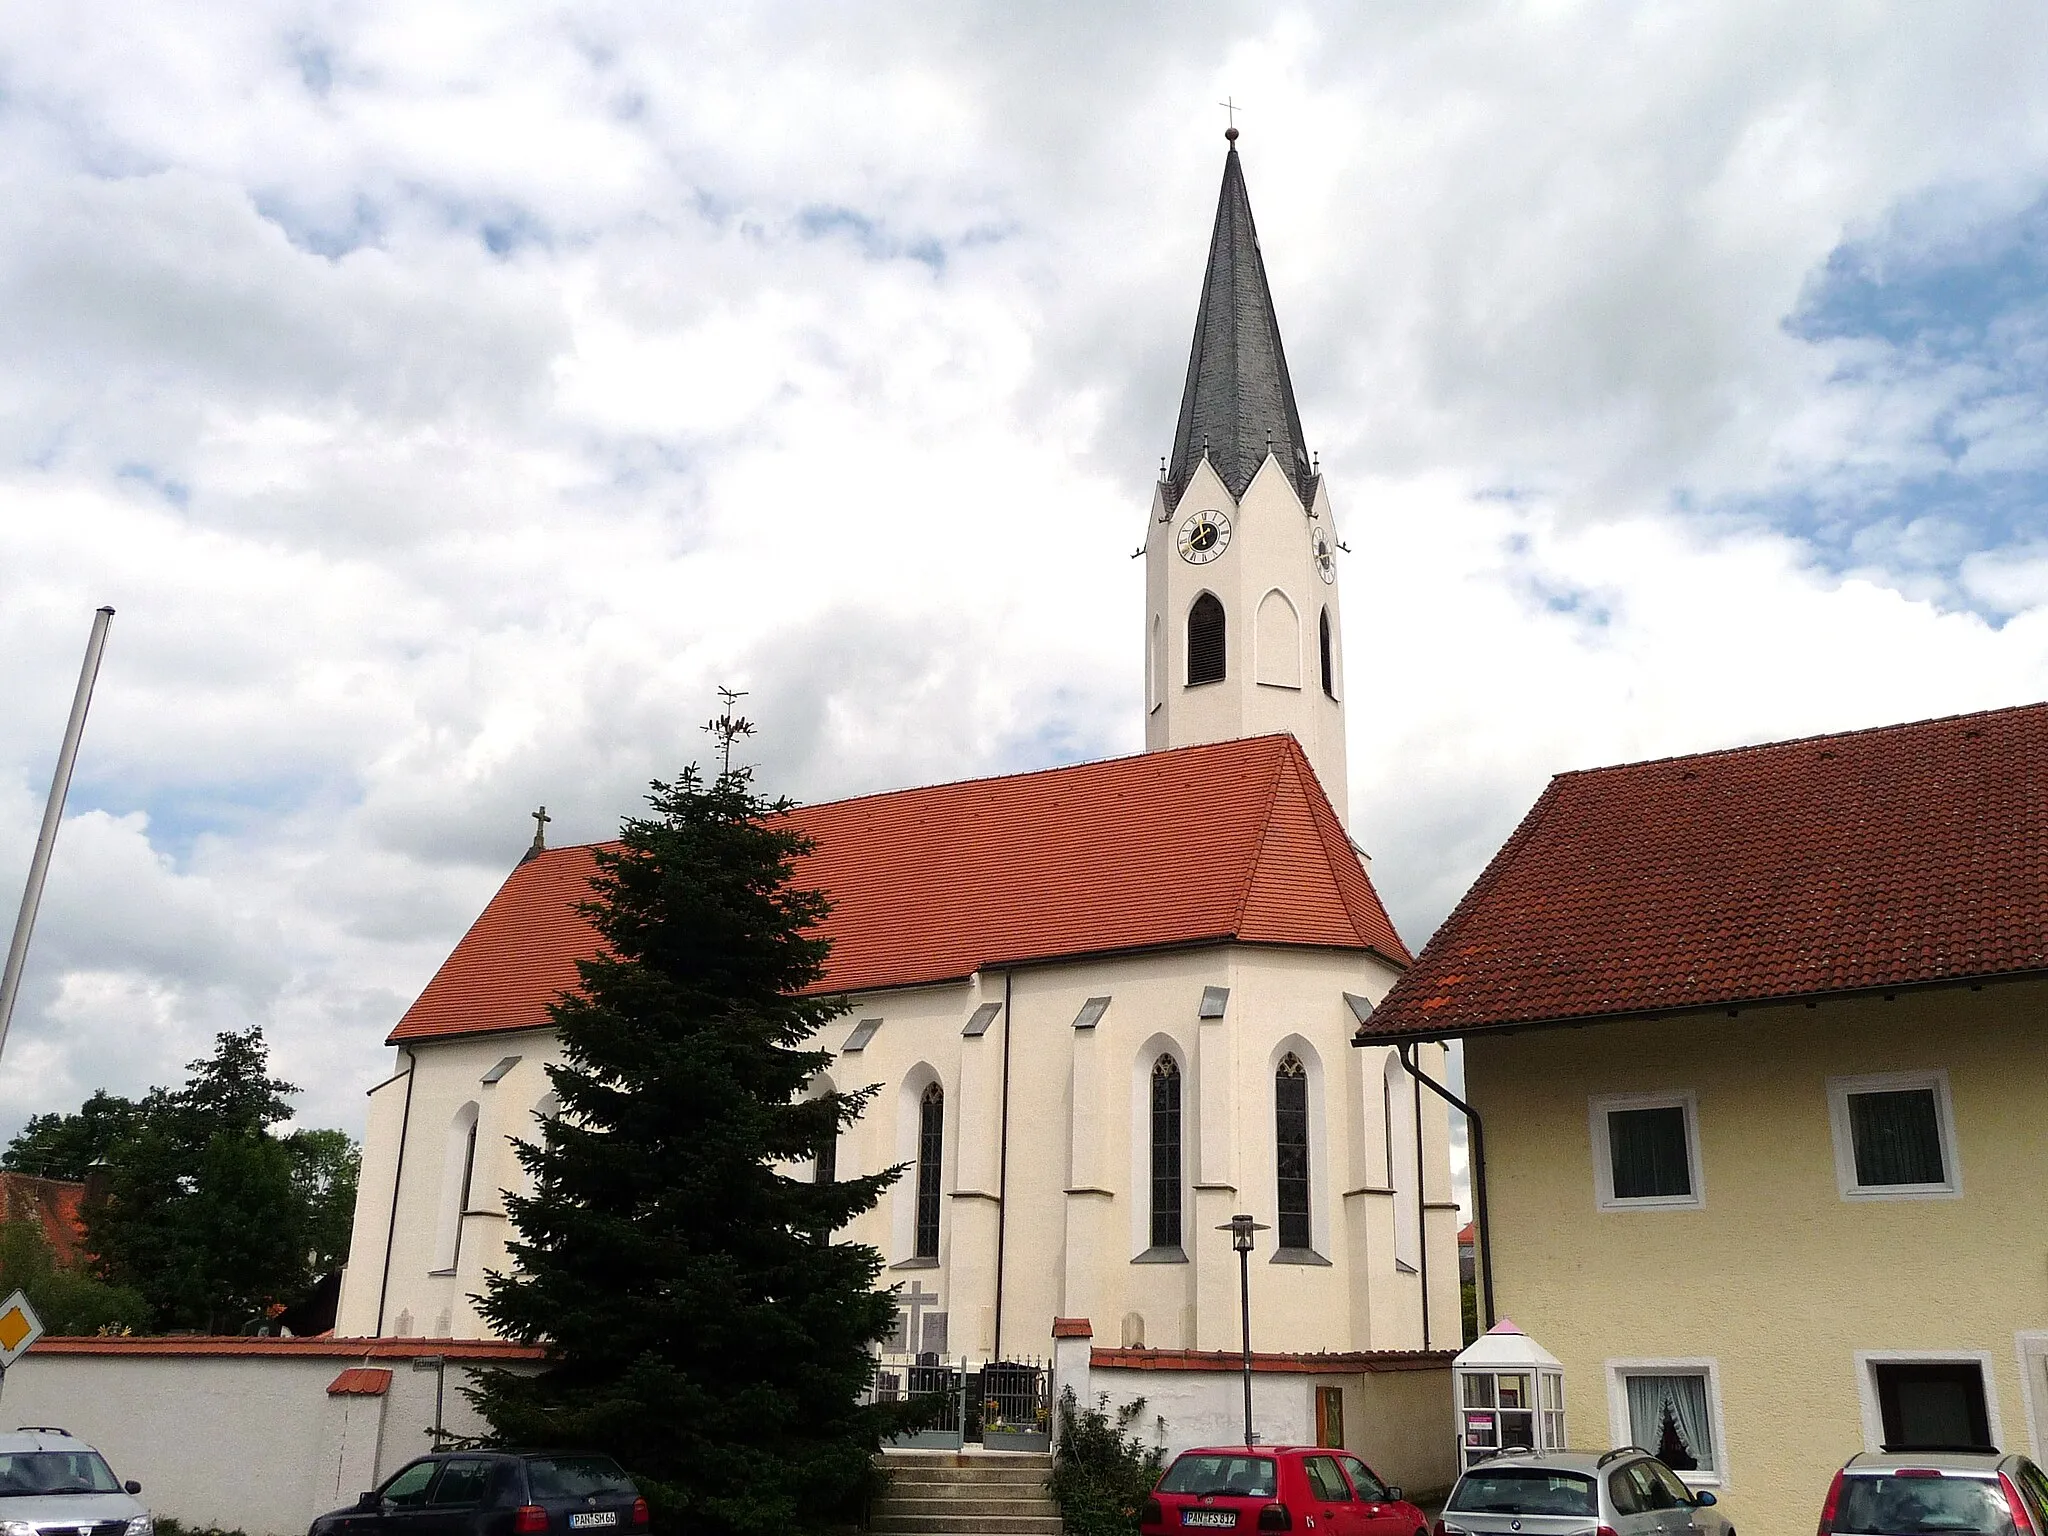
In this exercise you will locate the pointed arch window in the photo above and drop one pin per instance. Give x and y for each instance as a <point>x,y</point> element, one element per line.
<point>1166,1153</point>
<point>1323,641</point>
<point>1205,640</point>
<point>1290,1146</point>
<point>931,1145</point>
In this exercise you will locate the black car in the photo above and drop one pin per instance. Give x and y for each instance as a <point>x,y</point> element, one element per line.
<point>496,1493</point>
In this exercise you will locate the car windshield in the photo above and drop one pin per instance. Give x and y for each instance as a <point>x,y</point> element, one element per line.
<point>578,1477</point>
<point>1525,1491</point>
<point>38,1472</point>
<point>1244,1477</point>
<point>1922,1506</point>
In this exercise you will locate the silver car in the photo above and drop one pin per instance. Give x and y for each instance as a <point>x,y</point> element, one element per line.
<point>1916,1493</point>
<point>52,1484</point>
<point>1627,1492</point>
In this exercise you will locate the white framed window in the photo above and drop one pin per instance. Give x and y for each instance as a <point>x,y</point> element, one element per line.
<point>1895,1136</point>
<point>1921,1399</point>
<point>1646,1152</point>
<point>1672,1409</point>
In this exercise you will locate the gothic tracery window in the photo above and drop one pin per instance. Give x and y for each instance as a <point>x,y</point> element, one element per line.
<point>1290,1145</point>
<point>1205,640</point>
<point>931,1143</point>
<point>1165,1153</point>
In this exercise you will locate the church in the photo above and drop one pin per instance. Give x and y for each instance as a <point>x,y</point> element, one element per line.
<point>1108,1006</point>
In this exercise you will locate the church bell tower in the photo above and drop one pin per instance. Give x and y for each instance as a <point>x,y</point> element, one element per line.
<point>1242,632</point>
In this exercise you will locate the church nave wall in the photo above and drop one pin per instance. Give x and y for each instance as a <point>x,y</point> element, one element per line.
<point>441,1242</point>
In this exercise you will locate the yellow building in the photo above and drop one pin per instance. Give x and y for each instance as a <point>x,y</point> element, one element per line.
<point>1755,1040</point>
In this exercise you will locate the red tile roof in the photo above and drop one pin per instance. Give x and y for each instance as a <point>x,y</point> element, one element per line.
<point>1234,840</point>
<point>326,1347</point>
<point>55,1205</point>
<point>1356,1362</point>
<point>361,1381</point>
<point>1906,855</point>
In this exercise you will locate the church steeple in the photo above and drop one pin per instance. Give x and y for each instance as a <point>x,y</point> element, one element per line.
<point>1242,632</point>
<point>1238,405</point>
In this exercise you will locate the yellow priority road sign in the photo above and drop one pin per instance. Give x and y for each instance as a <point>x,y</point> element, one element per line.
<point>19,1328</point>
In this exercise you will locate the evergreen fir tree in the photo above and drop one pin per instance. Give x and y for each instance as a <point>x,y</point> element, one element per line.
<point>700,1325</point>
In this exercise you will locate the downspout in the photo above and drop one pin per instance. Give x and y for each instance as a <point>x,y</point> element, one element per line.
<point>1477,1147</point>
<point>1003,1171</point>
<point>397,1174</point>
<point>1421,1206</point>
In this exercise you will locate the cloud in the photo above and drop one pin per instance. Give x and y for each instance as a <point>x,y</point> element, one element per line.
<point>450,397</point>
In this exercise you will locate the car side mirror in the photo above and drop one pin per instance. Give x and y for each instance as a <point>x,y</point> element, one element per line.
<point>1704,1499</point>
<point>131,1486</point>
<point>367,1500</point>
<point>1393,1493</point>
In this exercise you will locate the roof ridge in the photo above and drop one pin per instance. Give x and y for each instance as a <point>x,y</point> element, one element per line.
<point>987,778</point>
<point>1495,871</point>
<point>1298,761</point>
<point>1799,741</point>
<point>1251,866</point>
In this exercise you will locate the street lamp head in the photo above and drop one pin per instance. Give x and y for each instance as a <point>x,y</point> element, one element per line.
<point>1241,1228</point>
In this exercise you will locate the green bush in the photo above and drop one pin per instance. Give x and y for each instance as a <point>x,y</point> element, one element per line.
<point>1101,1473</point>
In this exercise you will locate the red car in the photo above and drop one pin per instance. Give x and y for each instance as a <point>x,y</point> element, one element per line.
<point>1278,1488</point>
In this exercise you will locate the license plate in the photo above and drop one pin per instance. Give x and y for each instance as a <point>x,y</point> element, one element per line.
<point>1223,1517</point>
<point>584,1521</point>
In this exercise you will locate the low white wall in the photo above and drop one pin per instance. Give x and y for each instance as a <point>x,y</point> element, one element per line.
<point>243,1442</point>
<point>1399,1421</point>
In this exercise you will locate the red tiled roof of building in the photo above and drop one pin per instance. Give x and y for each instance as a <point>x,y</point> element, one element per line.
<point>1352,1363</point>
<point>326,1347</point>
<point>361,1381</point>
<point>55,1205</point>
<point>1233,840</point>
<point>1906,855</point>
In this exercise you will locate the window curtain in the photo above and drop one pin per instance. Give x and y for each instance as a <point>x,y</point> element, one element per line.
<point>1897,1137</point>
<point>1648,1147</point>
<point>1680,1399</point>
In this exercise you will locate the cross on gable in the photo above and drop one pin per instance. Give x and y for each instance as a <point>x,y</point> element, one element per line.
<point>910,1309</point>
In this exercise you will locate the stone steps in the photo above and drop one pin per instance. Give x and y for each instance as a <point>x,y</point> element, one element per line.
<point>964,1493</point>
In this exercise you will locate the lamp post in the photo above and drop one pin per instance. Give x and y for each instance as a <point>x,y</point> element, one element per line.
<point>1241,1228</point>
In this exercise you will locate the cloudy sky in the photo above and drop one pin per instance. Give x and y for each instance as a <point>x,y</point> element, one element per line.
<point>448,397</point>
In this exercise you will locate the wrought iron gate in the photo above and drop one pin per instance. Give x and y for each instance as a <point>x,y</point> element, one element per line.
<point>1002,1406</point>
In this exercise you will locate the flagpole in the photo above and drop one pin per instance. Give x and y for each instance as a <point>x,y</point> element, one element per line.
<point>53,813</point>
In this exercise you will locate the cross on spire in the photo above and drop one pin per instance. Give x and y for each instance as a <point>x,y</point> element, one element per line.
<point>1230,106</point>
<point>541,818</point>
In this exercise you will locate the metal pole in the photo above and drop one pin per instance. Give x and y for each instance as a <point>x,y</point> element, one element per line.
<point>1244,1298</point>
<point>46,840</point>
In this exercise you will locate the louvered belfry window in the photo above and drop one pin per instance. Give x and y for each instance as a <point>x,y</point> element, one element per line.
<point>1290,1145</point>
<point>1165,1153</point>
<point>1329,672</point>
<point>931,1143</point>
<point>1205,640</point>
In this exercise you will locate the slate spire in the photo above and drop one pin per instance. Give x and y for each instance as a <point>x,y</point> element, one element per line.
<point>1239,402</point>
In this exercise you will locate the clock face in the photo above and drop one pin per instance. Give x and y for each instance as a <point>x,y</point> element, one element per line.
<point>1326,556</point>
<point>1203,536</point>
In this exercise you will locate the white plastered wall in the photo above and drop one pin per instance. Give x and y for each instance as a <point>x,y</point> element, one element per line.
<point>312,1452</point>
<point>417,1299</point>
<point>1077,1208</point>
<point>1270,551</point>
